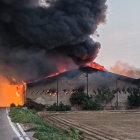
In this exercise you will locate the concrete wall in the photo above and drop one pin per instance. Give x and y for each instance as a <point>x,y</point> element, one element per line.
<point>46,93</point>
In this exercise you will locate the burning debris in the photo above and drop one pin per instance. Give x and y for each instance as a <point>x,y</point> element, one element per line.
<point>37,37</point>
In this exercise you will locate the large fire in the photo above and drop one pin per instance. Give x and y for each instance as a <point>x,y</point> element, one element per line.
<point>11,93</point>
<point>96,66</point>
<point>63,68</point>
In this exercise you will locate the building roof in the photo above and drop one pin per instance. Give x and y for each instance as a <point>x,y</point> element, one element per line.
<point>86,70</point>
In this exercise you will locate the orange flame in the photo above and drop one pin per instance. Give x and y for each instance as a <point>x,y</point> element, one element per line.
<point>90,64</point>
<point>11,93</point>
<point>96,66</point>
<point>63,68</point>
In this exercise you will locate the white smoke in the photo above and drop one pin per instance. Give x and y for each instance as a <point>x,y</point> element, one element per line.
<point>125,69</point>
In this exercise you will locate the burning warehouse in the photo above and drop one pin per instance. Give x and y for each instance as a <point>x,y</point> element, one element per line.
<point>39,38</point>
<point>86,78</point>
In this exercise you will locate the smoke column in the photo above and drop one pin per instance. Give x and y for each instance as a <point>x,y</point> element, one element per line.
<point>36,36</point>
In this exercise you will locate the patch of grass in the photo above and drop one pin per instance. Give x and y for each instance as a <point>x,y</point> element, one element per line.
<point>43,130</point>
<point>75,134</point>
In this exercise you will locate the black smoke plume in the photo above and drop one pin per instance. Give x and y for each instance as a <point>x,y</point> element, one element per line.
<point>37,36</point>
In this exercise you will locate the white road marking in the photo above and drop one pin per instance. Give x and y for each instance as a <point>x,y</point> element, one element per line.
<point>22,131</point>
<point>15,130</point>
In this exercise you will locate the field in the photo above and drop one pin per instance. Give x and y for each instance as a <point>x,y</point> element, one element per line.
<point>102,125</point>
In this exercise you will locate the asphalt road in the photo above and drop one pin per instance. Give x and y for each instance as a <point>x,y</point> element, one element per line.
<point>6,131</point>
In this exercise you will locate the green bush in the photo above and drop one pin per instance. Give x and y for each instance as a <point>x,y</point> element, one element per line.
<point>60,107</point>
<point>105,95</point>
<point>91,105</point>
<point>134,98</point>
<point>30,104</point>
<point>78,97</point>
<point>63,107</point>
<point>86,102</point>
<point>52,107</point>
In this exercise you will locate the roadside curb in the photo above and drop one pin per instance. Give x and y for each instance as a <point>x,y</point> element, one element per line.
<point>17,128</point>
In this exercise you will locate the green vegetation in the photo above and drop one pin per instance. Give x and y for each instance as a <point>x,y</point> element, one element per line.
<point>43,129</point>
<point>90,104</point>
<point>134,98</point>
<point>86,102</point>
<point>60,107</point>
<point>78,97</point>
<point>30,104</point>
<point>105,96</point>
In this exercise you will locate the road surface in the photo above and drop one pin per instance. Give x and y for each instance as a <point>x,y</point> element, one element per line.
<point>6,131</point>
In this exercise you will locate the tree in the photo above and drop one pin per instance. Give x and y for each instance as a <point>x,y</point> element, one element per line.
<point>78,97</point>
<point>134,98</point>
<point>105,95</point>
<point>90,104</point>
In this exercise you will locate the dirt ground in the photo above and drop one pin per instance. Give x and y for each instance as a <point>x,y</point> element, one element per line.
<point>123,125</point>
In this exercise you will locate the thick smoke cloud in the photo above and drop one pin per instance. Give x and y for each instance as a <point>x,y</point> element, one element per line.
<point>33,36</point>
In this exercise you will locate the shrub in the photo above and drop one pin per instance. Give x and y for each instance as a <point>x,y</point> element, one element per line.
<point>30,104</point>
<point>91,105</point>
<point>63,107</point>
<point>60,107</point>
<point>52,107</point>
<point>86,102</point>
<point>134,98</point>
<point>105,95</point>
<point>78,97</point>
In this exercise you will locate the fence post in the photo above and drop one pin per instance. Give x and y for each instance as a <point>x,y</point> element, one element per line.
<point>117,102</point>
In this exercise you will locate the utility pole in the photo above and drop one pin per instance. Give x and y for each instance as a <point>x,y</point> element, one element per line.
<point>117,102</point>
<point>87,82</point>
<point>57,84</point>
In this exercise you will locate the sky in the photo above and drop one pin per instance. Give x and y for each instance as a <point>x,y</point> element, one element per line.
<point>120,35</point>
